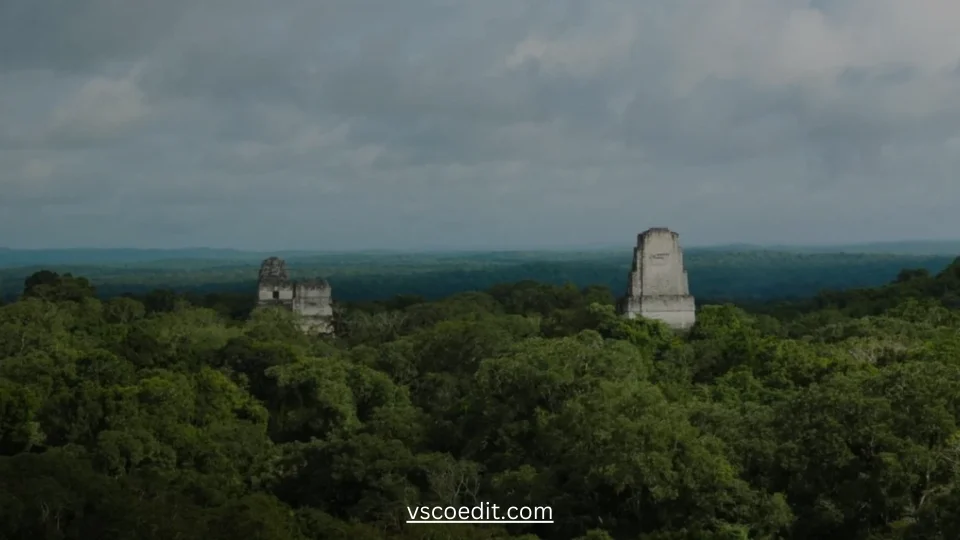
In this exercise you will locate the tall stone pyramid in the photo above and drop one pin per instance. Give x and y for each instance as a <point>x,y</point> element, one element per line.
<point>657,286</point>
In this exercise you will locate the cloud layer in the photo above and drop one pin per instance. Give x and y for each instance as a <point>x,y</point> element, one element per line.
<point>503,123</point>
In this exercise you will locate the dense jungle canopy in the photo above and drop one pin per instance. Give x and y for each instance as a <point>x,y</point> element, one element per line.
<point>169,416</point>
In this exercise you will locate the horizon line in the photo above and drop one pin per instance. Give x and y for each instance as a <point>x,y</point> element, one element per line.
<point>596,246</point>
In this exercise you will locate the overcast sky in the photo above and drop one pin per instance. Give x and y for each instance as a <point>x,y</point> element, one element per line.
<point>311,124</point>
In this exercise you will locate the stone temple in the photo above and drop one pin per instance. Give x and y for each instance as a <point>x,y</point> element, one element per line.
<point>658,287</point>
<point>311,299</point>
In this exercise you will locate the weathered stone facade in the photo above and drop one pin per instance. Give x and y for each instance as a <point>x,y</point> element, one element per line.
<point>311,299</point>
<point>657,286</point>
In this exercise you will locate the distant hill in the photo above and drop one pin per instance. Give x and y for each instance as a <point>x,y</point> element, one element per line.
<point>85,256</point>
<point>193,257</point>
<point>919,247</point>
<point>118,256</point>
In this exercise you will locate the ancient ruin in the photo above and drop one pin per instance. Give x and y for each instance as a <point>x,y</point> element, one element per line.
<point>310,299</point>
<point>658,287</point>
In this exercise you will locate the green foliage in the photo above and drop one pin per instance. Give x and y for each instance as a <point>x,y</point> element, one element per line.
<point>157,417</point>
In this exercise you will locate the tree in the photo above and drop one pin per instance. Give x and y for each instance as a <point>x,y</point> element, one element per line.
<point>54,287</point>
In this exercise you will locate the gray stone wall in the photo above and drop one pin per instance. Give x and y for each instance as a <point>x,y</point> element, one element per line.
<point>311,300</point>
<point>284,294</point>
<point>657,287</point>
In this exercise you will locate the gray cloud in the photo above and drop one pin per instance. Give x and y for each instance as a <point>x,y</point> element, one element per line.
<point>426,123</point>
